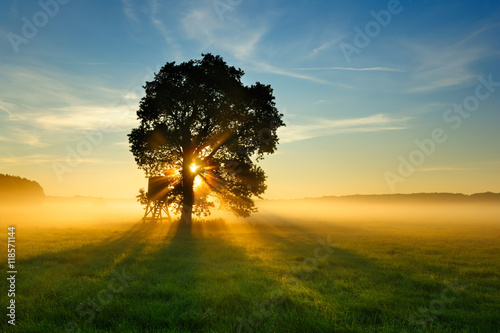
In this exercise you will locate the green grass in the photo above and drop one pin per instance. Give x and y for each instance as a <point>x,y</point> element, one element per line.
<point>264,277</point>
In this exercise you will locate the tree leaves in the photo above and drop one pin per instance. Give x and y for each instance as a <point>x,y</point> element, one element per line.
<point>200,112</point>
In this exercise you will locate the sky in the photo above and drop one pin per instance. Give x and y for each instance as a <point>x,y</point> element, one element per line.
<point>378,96</point>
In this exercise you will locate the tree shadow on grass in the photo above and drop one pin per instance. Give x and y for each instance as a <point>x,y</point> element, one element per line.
<point>152,277</point>
<point>71,287</point>
<point>349,290</point>
<point>194,282</point>
<point>159,277</point>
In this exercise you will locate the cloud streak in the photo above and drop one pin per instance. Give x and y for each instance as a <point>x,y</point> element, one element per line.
<point>163,30</point>
<point>35,87</point>
<point>128,10</point>
<point>83,117</point>
<point>326,45</point>
<point>365,69</point>
<point>267,68</point>
<point>326,127</point>
<point>241,39</point>
<point>452,67</point>
<point>437,169</point>
<point>11,116</point>
<point>49,158</point>
<point>23,137</point>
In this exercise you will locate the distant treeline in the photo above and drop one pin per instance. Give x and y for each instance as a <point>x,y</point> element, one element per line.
<point>438,198</point>
<point>15,189</point>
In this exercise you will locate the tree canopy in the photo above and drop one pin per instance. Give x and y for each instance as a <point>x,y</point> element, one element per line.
<point>204,131</point>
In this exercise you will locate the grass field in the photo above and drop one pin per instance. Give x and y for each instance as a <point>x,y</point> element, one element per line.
<point>293,267</point>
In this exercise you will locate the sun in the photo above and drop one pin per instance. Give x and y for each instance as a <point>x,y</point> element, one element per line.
<point>197,179</point>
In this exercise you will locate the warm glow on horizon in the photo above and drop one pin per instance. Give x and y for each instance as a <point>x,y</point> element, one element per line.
<point>411,109</point>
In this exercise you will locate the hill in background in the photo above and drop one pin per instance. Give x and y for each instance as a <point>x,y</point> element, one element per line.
<point>428,198</point>
<point>18,190</point>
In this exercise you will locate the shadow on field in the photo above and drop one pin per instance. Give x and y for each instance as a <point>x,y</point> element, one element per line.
<point>72,288</point>
<point>162,277</point>
<point>194,281</point>
<point>151,276</point>
<point>360,289</point>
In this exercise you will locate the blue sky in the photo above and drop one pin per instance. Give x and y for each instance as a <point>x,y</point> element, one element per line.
<point>354,102</point>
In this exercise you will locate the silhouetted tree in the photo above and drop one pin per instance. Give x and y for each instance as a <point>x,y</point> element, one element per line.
<point>198,119</point>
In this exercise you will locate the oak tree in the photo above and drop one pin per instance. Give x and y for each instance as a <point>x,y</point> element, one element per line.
<point>204,131</point>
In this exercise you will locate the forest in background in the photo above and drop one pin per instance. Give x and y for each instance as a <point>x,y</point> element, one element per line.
<point>14,189</point>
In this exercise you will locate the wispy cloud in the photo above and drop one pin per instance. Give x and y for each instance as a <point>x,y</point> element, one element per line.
<point>84,117</point>
<point>36,87</point>
<point>326,45</point>
<point>23,137</point>
<point>158,24</point>
<point>437,169</point>
<point>30,159</point>
<point>372,69</point>
<point>451,67</point>
<point>42,100</point>
<point>129,10</point>
<point>235,35</point>
<point>426,108</point>
<point>238,37</point>
<point>11,116</point>
<point>50,158</point>
<point>325,127</point>
<point>267,68</point>
<point>152,12</point>
<point>122,143</point>
<point>473,166</point>
<point>477,32</point>
<point>483,167</point>
<point>87,63</point>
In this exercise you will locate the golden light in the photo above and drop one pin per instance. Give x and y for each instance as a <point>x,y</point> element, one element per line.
<point>193,167</point>
<point>197,181</point>
<point>172,173</point>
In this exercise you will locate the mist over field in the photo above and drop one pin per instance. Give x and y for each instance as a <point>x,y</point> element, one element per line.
<point>375,213</point>
<point>379,210</point>
<point>348,264</point>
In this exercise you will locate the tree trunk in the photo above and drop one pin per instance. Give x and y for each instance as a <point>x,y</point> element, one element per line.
<point>188,193</point>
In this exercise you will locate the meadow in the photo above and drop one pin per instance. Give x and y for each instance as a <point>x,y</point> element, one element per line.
<point>297,266</point>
